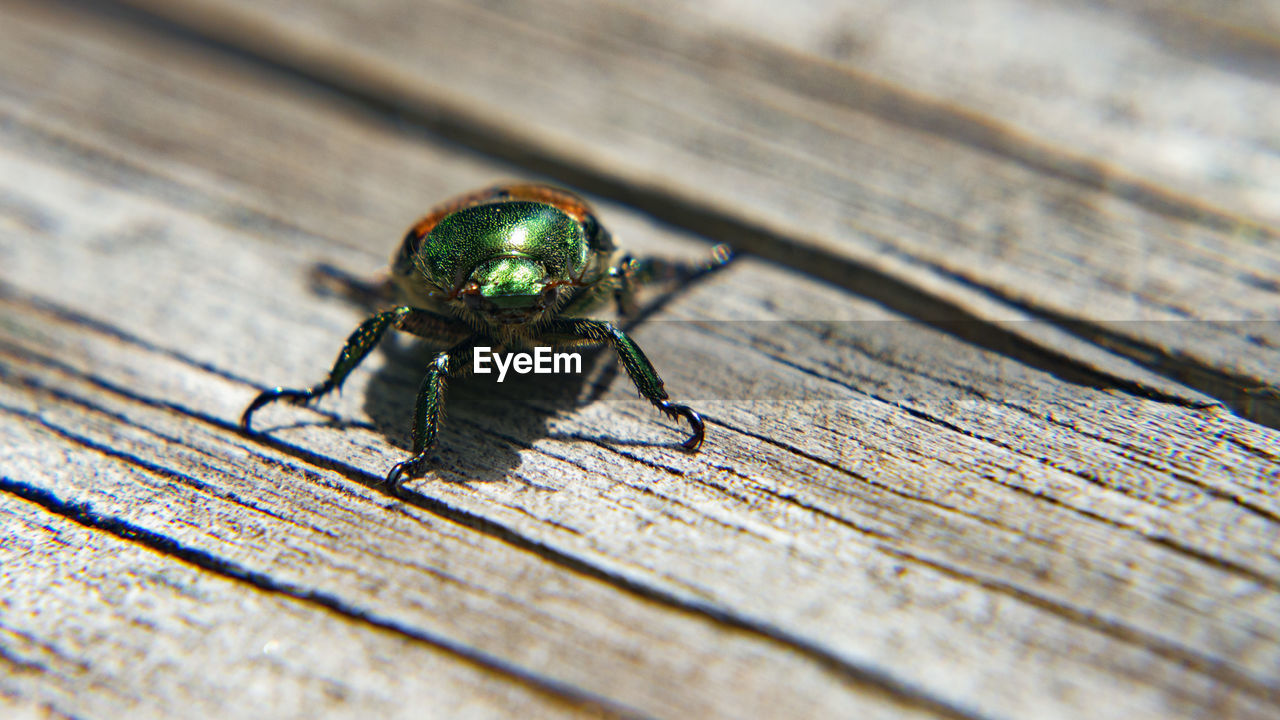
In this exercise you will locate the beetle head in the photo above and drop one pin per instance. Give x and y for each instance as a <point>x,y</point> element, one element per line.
<point>510,290</point>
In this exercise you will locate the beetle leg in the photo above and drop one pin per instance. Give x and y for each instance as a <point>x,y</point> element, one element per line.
<point>646,379</point>
<point>631,273</point>
<point>624,293</point>
<point>358,346</point>
<point>428,410</point>
<point>655,269</point>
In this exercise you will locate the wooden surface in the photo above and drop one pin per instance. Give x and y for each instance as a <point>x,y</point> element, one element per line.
<point>991,399</point>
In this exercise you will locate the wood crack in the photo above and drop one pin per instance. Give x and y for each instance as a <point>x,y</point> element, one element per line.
<point>1213,668</point>
<point>1135,453</point>
<point>1243,394</point>
<point>183,478</point>
<point>831,83</point>
<point>1111,628</point>
<point>85,515</point>
<point>1138,454</point>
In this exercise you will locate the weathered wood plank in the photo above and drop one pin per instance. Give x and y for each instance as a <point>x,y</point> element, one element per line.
<point>850,554</point>
<point>888,518</point>
<point>172,474</point>
<point>933,211</point>
<point>1179,93</point>
<point>132,631</point>
<point>238,167</point>
<point>440,583</point>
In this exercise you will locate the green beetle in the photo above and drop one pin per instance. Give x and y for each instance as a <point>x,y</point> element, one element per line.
<point>515,266</point>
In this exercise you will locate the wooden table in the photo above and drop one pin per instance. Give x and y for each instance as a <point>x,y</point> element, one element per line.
<point>991,392</point>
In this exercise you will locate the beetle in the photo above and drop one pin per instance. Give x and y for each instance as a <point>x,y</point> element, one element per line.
<point>517,266</point>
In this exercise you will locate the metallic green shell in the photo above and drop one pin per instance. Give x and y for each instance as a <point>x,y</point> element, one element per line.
<point>464,241</point>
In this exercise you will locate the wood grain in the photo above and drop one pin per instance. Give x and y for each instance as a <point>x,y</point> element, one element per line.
<point>129,623</point>
<point>885,521</point>
<point>1179,94</point>
<point>942,213</point>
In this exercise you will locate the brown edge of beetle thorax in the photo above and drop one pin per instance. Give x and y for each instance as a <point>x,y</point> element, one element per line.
<point>568,203</point>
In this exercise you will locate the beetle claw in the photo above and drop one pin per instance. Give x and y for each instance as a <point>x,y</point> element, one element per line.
<point>395,479</point>
<point>695,421</point>
<point>402,472</point>
<point>293,397</point>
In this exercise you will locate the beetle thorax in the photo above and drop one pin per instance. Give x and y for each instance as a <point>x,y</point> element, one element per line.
<point>505,263</point>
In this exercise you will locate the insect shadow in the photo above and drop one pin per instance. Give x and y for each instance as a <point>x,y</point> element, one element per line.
<point>488,423</point>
